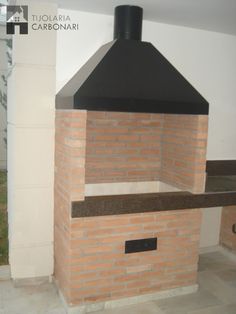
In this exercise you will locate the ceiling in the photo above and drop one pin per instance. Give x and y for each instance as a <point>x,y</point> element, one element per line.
<point>213,15</point>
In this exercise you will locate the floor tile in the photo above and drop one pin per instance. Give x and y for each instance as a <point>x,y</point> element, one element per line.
<point>216,295</point>
<point>144,308</point>
<point>214,261</point>
<point>228,275</point>
<point>56,311</point>
<point>225,309</point>
<point>31,299</point>
<point>190,302</point>
<point>217,287</point>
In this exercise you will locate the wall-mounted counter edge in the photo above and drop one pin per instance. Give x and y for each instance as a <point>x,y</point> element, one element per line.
<point>142,203</point>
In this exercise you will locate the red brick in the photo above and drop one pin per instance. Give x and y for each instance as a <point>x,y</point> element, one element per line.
<point>90,263</point>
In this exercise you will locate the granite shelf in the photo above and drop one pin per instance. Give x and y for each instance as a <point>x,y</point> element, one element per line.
<point>220,190</point>
<point>142,203</point>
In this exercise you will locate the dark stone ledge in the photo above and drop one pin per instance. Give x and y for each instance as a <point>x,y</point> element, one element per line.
<point>221,183</point>
<point>221,167</point>
<point>150,202</point>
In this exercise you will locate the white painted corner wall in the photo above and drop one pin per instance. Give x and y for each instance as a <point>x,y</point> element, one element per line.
<point>31,112</point>
<point>210,227</point>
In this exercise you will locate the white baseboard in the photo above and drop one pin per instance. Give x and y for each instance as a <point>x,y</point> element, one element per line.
<point>209,249</point>
<point>35,281</point>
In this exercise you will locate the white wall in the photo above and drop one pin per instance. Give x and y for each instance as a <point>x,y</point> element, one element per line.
<point>31,115</point>
<point>206,59</point>
<point>3,113</point>
<point>210,227</point>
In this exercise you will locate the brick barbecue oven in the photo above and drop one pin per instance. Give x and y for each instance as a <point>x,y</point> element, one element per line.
<point>126,148</point>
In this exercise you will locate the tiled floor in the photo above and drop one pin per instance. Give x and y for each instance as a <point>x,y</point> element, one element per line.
<point>42,299</point>
<point>216,295</point>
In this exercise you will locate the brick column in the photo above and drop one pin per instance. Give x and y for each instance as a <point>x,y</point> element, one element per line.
<point>69,186</point>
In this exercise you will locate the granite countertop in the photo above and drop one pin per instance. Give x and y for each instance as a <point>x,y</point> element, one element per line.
<point>142,203</point>
<point>149,202</point>
<point>221,183</point>
<point>220,191</point>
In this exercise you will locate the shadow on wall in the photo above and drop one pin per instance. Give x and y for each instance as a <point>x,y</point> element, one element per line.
<point>5,66</point>
<point>3,219</point>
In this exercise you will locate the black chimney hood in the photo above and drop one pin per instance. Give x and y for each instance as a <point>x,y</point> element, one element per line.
<point>129,75</point>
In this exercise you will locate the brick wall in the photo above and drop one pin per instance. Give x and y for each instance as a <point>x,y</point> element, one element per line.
<point>68,186</point>
<point>184,142</point>
<point>70,144</point>
<point>123,147</point>
<point>90,264</point>
<point>101,271</point>
<point>227,237</point>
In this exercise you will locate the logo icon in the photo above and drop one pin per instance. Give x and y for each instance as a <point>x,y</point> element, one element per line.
<point>17,15</point>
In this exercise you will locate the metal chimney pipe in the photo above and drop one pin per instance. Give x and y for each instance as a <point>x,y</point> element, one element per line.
<point>128,22</point>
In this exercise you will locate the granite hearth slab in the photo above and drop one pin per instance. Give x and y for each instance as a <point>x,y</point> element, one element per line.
<point>150,202</point>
